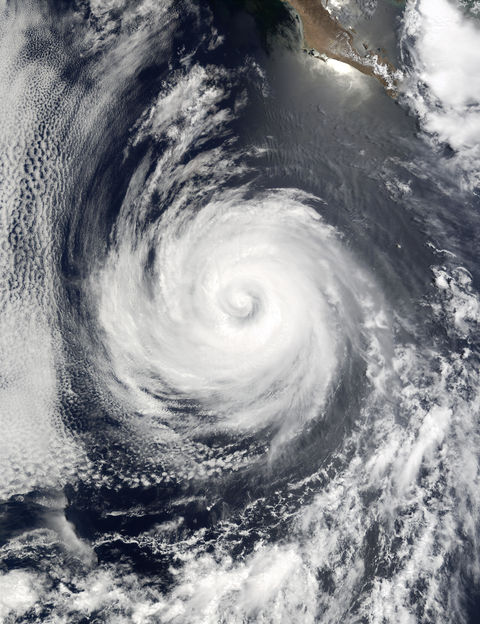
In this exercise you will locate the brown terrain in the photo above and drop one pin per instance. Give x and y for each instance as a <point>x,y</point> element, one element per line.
<point>326,35</point>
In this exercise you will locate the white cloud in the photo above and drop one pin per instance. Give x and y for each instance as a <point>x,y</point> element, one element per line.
<point>443,88</point>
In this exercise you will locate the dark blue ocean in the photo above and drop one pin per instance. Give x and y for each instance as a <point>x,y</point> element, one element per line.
<point>239,320</point>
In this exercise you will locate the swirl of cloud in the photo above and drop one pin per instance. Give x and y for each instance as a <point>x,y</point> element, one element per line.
<point>246,308</point>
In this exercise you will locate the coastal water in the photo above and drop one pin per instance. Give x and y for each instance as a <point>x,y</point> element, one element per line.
<point>239,324</point>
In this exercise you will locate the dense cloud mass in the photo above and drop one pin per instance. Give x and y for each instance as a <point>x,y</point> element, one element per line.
<point>443,86</point>
<point>239,316</point>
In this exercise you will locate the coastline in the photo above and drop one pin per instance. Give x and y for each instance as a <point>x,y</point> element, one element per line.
<point>325,35</point>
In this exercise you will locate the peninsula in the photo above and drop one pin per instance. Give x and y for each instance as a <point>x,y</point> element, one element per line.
<point>325,35</point>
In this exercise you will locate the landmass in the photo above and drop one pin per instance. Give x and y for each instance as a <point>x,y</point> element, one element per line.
<point>324,35</point>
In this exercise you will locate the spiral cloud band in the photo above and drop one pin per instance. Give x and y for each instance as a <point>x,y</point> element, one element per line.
<point>239,329</point>
<point>245,306</point>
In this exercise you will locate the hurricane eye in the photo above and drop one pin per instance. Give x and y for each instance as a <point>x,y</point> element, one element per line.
<point>254,304</point>
<point>240,311</point>
<point>240,302</point>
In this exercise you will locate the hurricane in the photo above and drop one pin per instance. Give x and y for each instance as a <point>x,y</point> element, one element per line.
<point>239,312</point>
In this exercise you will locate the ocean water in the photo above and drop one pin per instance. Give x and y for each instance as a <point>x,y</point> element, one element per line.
<point>239,316</point>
